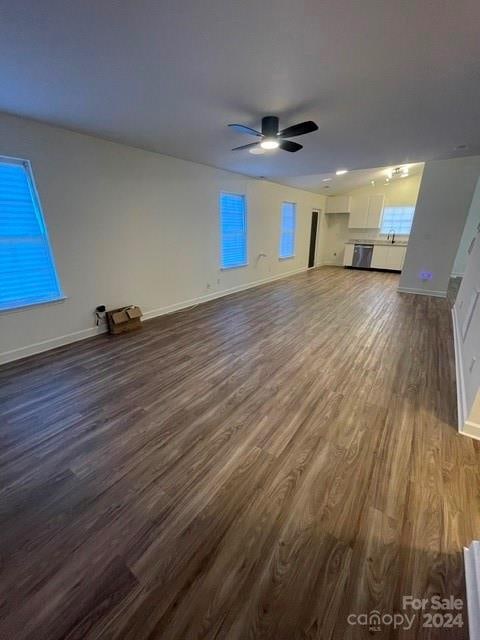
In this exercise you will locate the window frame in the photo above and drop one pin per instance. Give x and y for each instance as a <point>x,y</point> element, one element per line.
<point>245,217</point>
<point>398,206</point>
<point>37,205</point>
<point>294,233</point>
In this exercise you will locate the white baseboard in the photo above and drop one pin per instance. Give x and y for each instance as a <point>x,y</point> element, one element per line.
<point>423,292</point>
<point>472,583</point>
<point>47,345</point>
<point>329,263</point>
<point>465,426</point>
<point>461,396</point>
<point>155,313</point>
<point>53,343</point>
<point>471,429</point>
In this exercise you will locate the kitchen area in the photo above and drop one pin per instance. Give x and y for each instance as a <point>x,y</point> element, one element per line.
<point>367,222</point>
<point>375,254</point>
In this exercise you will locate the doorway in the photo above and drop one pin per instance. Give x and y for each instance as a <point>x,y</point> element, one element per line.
<point>313,239</point>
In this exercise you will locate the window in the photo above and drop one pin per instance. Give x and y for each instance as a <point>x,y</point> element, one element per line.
<point>27,270</point>
<point>397,220</point>
<point>233,223</point>
<point>287,230</point>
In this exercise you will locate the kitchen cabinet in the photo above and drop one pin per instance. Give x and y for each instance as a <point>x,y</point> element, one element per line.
<point>348,255</point>
<point>358,212</point>
<point>366,211</point>
<point>375,210</point>
<point>396,258</point>
<point>338,204</point>
<point>380,256</point>
<point>388,257</point>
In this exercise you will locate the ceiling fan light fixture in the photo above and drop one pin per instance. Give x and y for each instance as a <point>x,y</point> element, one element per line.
<point>269,143</point>
<point>397,172</point>
<point>270,137</point>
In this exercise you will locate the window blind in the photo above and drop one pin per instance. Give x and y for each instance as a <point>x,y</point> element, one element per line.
<point>233,222</point>
<point>27,270</point>
<point>397,220</point>
<point>287,230</point>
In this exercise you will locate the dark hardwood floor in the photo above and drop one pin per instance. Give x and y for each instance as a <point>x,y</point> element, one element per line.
<point>260,466</point>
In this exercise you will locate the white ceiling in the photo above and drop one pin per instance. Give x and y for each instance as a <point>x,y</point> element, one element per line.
<point>330,184</point>
<point>387,81</point>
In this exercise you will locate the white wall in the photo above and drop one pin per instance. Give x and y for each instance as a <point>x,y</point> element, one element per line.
<point>336,232</point>
<point>469,232</point>
<point>466,315</point>
<point>443,203</point>
<point>129,226</point>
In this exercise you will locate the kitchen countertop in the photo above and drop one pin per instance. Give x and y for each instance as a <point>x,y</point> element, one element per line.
<point>398,243</point>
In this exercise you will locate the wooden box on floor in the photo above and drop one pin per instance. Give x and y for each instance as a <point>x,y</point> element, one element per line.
<point>124,319</point>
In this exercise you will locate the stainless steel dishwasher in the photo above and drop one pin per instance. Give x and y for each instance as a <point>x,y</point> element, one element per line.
<point>362,256</point>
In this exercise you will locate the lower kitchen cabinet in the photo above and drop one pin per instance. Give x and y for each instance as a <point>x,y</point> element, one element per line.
<point>380,256</point>
<point>384,256</point>
<point>348,255</point>
<point>388,257</point>
<point>396,258</point>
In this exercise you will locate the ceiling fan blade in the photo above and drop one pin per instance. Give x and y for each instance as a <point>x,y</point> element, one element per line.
<point>287,145</point>
<point>241,128</point>
<point>247,146</point>
<point>298,129</point>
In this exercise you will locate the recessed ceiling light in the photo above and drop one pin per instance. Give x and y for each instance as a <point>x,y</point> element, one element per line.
<point>269,143</point>
<point>326,179</point>
<point>340,172</point>
<point>257,151</point>
<point>372,182</point>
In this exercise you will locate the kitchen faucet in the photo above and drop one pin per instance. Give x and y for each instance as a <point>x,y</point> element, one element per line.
<point>392,231</point>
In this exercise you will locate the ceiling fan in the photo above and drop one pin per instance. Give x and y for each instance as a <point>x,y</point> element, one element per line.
<point>271,138</point>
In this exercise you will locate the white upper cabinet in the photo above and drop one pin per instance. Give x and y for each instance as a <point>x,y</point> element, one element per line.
<point>375,209</point>
<point>338,204</point>
<point>366,211</point>
<point>358,212</point>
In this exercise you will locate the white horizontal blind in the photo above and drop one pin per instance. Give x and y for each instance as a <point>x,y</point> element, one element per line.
<point>287,230</point>
<point>397,220</point>
<point>27,270</point>
<point>233,223</point>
